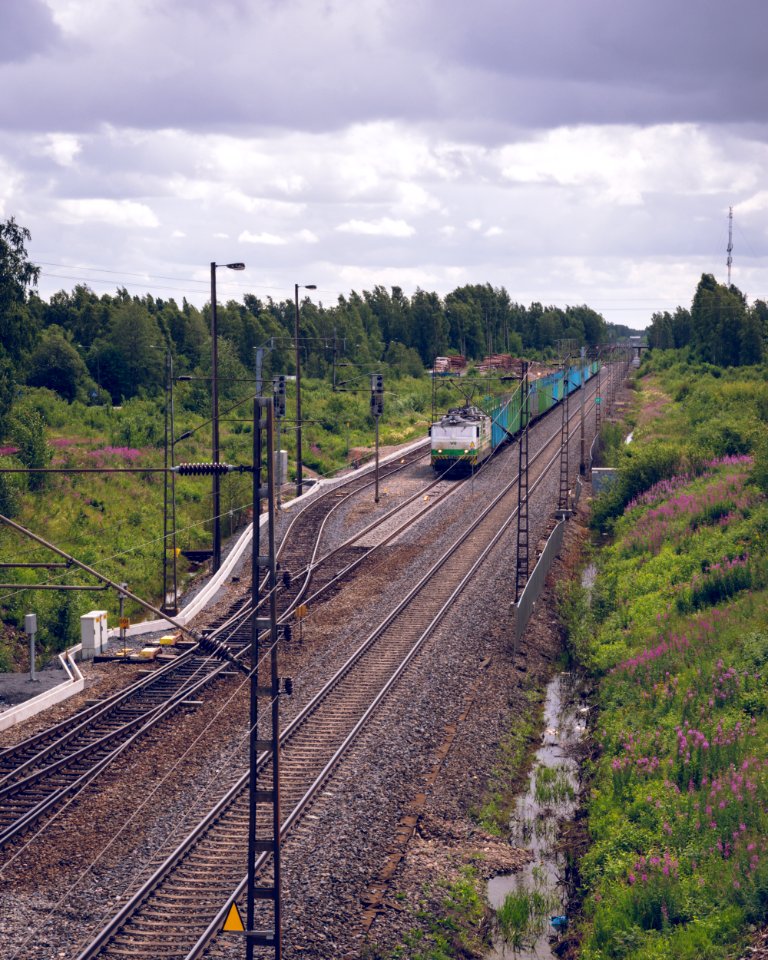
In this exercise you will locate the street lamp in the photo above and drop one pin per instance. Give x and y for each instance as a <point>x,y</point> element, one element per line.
<point>169,495</point>
<point>215,413</point>
<point>296,288</point>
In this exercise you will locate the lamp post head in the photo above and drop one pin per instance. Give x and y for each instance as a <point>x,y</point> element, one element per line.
<point>229,266</point>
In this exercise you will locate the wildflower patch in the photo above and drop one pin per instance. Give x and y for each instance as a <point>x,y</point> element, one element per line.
<point>678,816</point>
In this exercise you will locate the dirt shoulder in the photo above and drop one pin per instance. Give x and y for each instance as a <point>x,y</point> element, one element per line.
<point>447,838</point>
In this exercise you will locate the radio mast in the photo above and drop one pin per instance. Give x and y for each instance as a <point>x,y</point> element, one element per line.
<point>729,261</point>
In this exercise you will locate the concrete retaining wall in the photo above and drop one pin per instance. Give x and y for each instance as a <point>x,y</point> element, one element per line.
<point>49,698</point>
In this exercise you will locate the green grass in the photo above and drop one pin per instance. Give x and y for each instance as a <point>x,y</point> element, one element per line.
<point>523,917</point>
<point>451,923</point>
<point>676,635</point>
<point>113,522</point>
<point>552,786</point>
<point>513,758</point>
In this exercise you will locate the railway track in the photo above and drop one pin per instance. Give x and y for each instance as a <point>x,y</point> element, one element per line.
<point>352,555</point>
<point>45,770</point>
<point>189,894</point>
<point>324,571</point>
<point>39,774</point>
<point>297,554</point>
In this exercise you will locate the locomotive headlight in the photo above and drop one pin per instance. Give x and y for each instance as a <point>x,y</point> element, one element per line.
<point>466,451</point>
<point>439,451</point>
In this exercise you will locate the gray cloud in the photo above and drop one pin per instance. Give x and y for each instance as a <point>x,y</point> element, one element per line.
<point>599,61</point>
<point>503,65</point>
<point>569,151</point>
<point>26,29</point>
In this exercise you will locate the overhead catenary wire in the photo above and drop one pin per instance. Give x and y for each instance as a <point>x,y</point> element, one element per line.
<point>142,805</point>
<point>125,823</point>
<point>146,543</point>
<point>122,590</point>
<point>103,470</point>
<point>561,301</point>
<point>144,278</point>
<point>137,810</point>
<point>207,660</point>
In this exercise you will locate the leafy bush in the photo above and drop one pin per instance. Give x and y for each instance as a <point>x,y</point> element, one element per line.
<point>679,861</point>
<point>28,431</point>
<point>720,582</point>
<point>54,411</point>
<point>725,439</point>
<point>640,467</point>
<point>12,487</point>
<point>759,474</point>
<point>140,424</point>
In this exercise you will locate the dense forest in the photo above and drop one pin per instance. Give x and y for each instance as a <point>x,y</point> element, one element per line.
<point>111,347</point>
<point>720,328</point>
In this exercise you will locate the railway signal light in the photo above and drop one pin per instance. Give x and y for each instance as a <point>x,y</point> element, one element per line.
<point>377,394</point>
<point>288,686</point>
<point>278,392</point>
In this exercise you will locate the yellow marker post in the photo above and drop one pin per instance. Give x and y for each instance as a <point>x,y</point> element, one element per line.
<point>301,612</point>
<point>234,922</point>
<point>124,623</point>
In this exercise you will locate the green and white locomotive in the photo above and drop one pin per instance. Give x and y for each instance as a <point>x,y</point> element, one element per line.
<point>466,436</point>
<point>461,438</point>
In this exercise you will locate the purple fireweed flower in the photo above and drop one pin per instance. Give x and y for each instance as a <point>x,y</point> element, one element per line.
<point>129,454</point>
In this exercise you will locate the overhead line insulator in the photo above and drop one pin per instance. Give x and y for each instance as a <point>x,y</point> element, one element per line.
<point>221,651</point>
<point>208,469</point>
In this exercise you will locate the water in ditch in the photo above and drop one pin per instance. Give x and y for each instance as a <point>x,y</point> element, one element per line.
<point>528,901</point>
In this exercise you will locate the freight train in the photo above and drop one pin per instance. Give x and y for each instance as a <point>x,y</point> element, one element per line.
<point>466,436</point>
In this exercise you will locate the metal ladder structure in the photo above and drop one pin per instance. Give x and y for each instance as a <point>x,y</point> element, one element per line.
<point>521,567</point>
<point>598,400</point>
<point>563,503</point>
<point>264,831</point>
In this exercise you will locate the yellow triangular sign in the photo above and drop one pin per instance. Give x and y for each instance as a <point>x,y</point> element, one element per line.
<point>234,922</point>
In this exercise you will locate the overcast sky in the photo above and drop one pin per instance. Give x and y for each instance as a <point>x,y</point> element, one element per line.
<point>573,151</point>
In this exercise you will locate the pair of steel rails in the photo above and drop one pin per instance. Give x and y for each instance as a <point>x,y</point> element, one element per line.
<point>391,647</point>
<point>45,770</point>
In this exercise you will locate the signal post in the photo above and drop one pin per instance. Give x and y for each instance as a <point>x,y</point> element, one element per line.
<point>377,409</point>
